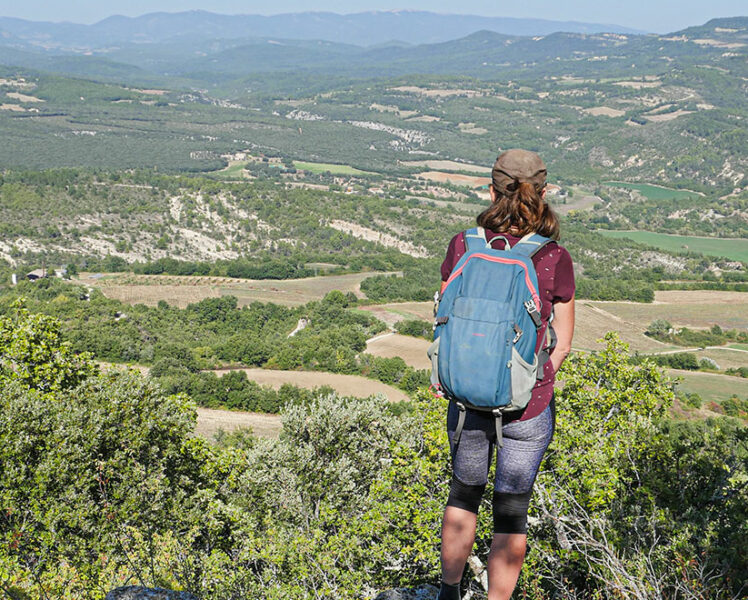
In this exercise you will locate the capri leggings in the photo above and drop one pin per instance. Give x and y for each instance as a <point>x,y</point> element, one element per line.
<point>517,463</point>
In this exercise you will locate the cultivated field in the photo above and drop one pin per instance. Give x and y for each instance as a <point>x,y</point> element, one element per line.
<point>345,385</point>
<point>454,178</point>
<point>710,386</point>
<point>698,308</point>
<point>732,248</point>
<point>726,357</point>
<point>393,312</point>
<point>411,349</point>
<point>577,202</point>
<point>654,192</point>
<point>314,167</point>
<point>183,290</point>
<point>209,421</point>
<point>447,165</point>
<point>593,320</point>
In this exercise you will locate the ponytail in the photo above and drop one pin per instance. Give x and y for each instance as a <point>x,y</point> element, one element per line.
<point>523,209</point>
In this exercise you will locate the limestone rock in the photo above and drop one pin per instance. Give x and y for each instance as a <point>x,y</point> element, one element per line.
<point>422,592</point>
<point>136,592</point>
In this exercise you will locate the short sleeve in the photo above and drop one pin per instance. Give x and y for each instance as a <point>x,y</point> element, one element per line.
<point>455,250</point>
<point>564,286</point>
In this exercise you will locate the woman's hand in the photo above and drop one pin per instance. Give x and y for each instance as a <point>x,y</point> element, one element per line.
<point>563,325</point>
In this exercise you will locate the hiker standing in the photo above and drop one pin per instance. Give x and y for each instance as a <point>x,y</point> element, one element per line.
<point>495,358</point>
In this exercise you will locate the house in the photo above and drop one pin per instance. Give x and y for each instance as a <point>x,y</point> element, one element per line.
<point>36,274</point>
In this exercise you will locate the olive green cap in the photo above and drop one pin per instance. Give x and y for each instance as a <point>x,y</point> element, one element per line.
<point>518,166</point>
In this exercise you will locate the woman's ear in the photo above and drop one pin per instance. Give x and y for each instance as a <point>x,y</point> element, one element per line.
<point>493,192</point>
<point>542,194</point>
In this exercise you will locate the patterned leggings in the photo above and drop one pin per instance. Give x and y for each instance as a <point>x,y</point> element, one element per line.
<point>517,463</point>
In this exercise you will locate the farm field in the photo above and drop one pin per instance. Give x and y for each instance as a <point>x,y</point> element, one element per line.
<point>411,349</point>
<point>210,420</point>
<point>710,386</point>
<point>235,170</point>
<point>345,385</point>
<point>691,308</point>
<point>726,357</point>
<point>393,312</point>
<point>732,248</point>
<point>594,320</point>
<point>654,192</point>
<point>448,165</point>
<point>183,290</point>
<point>335,169</point>
<point>454,178</point>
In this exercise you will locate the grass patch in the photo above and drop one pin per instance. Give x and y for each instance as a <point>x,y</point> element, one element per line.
<point>318,168</point>
<point>697,309</point>
<point>654,192</point>
<point>711,387</point>
<point>732,248</point>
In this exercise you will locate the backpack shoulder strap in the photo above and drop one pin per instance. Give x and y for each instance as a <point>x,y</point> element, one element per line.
<point>530,244</point>
<point>475,239</point>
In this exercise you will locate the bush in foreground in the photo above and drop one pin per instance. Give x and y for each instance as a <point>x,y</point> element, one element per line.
<point>103,484</point>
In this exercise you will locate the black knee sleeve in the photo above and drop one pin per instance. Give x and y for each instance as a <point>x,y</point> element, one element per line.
<point>510,512</point>
<point>464,496</point>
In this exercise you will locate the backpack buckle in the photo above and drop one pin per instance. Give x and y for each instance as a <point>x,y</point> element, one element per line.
<point>532,310</point>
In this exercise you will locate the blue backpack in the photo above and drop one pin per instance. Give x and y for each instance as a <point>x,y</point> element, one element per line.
<point>487,328</point>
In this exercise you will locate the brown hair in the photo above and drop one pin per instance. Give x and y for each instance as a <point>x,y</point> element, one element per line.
<point>522,209</point>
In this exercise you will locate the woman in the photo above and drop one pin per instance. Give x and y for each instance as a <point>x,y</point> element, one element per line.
<point>518,207</point>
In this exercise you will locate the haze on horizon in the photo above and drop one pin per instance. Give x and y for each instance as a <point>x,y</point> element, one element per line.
<point>661,16</point>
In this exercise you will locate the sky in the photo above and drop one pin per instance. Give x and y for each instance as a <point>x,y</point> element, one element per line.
<point>659,16</point>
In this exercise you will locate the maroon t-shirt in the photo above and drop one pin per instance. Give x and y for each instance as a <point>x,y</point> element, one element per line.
<point>556,282</point>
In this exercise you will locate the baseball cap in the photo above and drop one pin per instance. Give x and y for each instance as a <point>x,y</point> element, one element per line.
<point>518,165</point>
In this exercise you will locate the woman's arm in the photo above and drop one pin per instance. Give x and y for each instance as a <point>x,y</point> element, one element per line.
<point>563,325</point>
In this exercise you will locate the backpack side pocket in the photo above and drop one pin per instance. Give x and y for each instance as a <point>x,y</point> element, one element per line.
<point>433,354</point>
<point>524,377</point>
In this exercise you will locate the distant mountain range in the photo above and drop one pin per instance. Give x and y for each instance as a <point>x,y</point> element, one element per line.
<point>196,49</point>
<point>361,29</point>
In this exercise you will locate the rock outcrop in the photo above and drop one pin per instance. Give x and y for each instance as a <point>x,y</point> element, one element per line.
<point>136,592</point>
<point>422,592</point>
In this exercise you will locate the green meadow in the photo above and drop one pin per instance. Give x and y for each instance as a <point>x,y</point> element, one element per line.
<point>732,248</point>
<point>654,192</point>
<point>317,168</point>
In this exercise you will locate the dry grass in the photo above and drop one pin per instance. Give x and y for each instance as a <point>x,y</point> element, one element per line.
<point>345,385</point>
<point>454,179</point>
<point>399,311</point>
<point>412,350</point>
<point>209,421</point>
<point>182,290</point>
<point>638,85</point>
<point>593,320</point>
<point>661,118</point>
<point>698,308</point>
<point>726,358</point>
<point>293,292</point>
<point>710,386</point>
<point>604,111</point>
<point>412,89</point>
<point>151,295</point>
<point>447,165</point>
